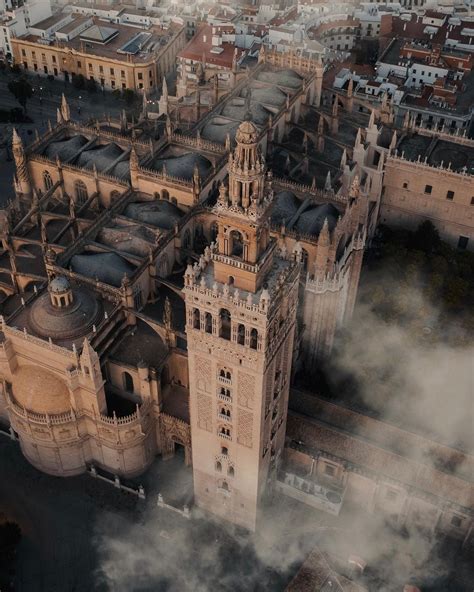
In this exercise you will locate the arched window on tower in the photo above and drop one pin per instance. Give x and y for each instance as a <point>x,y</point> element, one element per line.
<point>214,231</point>
<point>80,191</point>
<point>48,182</point>
<point>241,335</point>
<point>208,323</point>
<point>165,195</point>
<point>225,324</point>
<point>236,246</point>
<point>253,338</point>
<point>127,382</point>
<point>196,319</point>
<point>219,467</point>
<point>304,259</point>
<point>231,471</point>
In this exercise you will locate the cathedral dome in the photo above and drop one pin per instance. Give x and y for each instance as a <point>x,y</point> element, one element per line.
<point>247,133</point>
<point>40,391</point>
<point>64,313</point>
<point>59,284</point>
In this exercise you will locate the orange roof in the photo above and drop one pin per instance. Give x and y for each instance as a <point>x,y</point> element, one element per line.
<point>200,48</point>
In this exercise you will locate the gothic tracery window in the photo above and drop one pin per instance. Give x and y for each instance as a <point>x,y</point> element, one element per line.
<point>80,191</point>
<point>47,180</point>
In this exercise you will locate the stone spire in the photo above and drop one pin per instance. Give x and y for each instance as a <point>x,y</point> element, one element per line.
<point>328,183</point>
<point>134,165</point>
<point>22,175</point>
<point>123,121</point>
<point>144,113</point>
<point>164,89</point>
<point>343,159</point>
<point>65,111</point>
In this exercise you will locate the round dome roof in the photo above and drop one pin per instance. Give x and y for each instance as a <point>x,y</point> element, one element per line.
<point>66,322</point>
<point>59,284</point>
<point>40,391</point>
<point>247,133</point>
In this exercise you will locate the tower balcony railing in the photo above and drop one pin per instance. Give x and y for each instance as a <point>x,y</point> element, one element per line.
<point>224,380</point>
<point>224,417</point>
<point>225,436</point>
<point>224,398</point>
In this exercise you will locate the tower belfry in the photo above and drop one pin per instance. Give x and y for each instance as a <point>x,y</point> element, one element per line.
<point>243,215</point>
<point>241,308</point>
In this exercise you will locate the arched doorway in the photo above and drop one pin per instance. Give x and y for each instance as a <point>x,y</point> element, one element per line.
<point>127,381</point>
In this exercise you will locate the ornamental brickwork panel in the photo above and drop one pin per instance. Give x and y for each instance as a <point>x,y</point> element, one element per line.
<point>204,409</point>
<point>245,428</point>
<point>269,386</point>
<point>203,374</point>
<point>246,391</point>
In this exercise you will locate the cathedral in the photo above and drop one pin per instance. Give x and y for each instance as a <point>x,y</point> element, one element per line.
<point>160,287</point>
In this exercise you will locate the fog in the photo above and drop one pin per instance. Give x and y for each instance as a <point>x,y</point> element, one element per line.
<point>405,373</point>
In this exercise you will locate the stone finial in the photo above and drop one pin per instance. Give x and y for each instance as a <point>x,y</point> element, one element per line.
<point>65,111</point>
<point>343,159</point>
<point>355,187</point>
<point>358,140</point>
<point>144,112</point>
<point>324,237</point>
<point>372,119</point>
<point>264,299</point>
<point>328,183</point>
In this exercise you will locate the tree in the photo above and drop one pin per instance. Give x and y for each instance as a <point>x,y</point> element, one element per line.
<point>426,237</point>
<point>21,90</point>
<point>79,82</point>
<point>129,96</point>
<point>91,85</point>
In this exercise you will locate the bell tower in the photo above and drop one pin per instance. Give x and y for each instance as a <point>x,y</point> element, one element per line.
<point>241,309</point>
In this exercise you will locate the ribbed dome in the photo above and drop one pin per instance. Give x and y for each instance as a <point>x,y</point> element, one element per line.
<point>67,322</point>
<point>40,391</point>
<point>59,284</point>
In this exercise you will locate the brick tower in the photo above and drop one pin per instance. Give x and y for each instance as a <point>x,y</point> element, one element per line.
<point>241,303</point>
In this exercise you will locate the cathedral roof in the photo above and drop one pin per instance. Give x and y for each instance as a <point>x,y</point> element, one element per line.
<point>66,148</point>
<point>160,213</point>
<point>67,322</point>
<point>182,166</point>
<point>40,391</point>
<point>107,267</point>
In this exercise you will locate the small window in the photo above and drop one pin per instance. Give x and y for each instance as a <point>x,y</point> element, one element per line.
<point>330,470</point>
<point>405,185</point>
<point>122,73</point>
<point>462,242</point>
<point>450,195</point>
<point>456,521</point>
<point>23,53</point>
<point>224,450</point>
<point>79,65</point>
<point>219,467</point>
<point>54,59</point>
<point>140,76</point>
<point>112,73</point>
<point>101,69</point>
<point>231,471</point>
<point>428,189</point>
<point>472,200</point>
